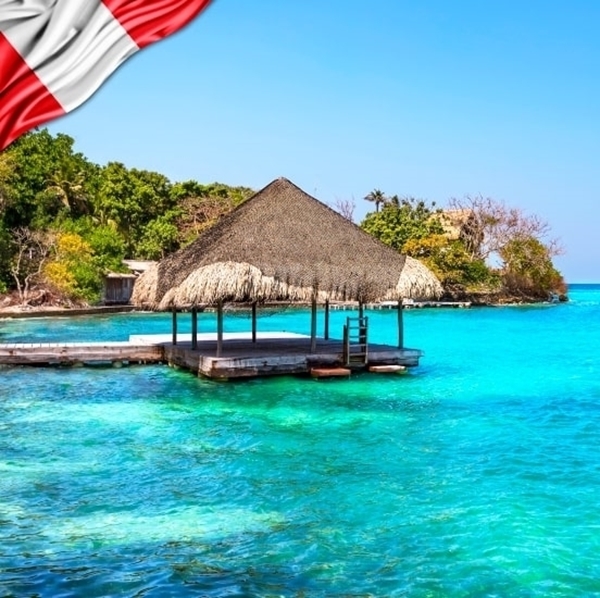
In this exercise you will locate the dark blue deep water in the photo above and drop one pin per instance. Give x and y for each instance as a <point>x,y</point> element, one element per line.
<point>476,474</point>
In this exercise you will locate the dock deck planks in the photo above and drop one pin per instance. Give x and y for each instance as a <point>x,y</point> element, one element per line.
<point>272,356</point>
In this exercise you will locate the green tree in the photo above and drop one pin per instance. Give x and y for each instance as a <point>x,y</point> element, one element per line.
<point>48,178</point>
<point>107,245</point>
<point>452,263</point>
<point>130,199</point>
<point>72,271</point>
<point>7,168</point>
<point>527,268</point>
<point>399,222</point>
<point>462,245</point>
<point>200,206</point>
<point>160,237</point>
<point>5,258</point>
<point>47,187</point>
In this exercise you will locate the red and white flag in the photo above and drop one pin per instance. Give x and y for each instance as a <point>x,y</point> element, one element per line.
<point>54,54</point>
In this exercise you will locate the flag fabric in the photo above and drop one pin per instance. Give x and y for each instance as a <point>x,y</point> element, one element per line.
<point>54,54</point>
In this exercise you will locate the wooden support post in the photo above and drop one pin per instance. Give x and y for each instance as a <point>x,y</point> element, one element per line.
<point>346,345</point>
<point>400,324</point>
<point>326,327</point>
<point>254,321</point>
<point>194,328</point>
<point>313,325</point>
<point>219,328</point>
<point>361,311</point>
<point>174,326</point>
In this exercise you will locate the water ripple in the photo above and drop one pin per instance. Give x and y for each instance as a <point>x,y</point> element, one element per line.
<point>476,475</point>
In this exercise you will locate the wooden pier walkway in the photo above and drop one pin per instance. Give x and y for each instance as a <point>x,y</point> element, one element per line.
<point>407,304</point>
<point>79,353</point>
<point>274,353</point>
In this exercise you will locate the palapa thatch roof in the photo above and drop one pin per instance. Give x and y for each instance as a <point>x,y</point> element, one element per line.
<point>283,244</point>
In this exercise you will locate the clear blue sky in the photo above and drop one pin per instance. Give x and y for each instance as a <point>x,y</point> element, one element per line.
<point>432,99</point>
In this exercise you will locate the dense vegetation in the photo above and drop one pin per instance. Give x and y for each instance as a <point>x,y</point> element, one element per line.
<point>479,248</point>
<point>65,222</point>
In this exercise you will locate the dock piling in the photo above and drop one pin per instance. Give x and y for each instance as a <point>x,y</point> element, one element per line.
<point>400,324</point>
<point>174,326</point>
<point>313,325</point>
<point>219,328</point>
<point>194,328</point>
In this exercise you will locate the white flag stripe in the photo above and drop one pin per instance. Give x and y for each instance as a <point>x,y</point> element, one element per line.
<point>15,10</point>
<point>75,50</point>
<point>89,60</point>
<point>47,26</point>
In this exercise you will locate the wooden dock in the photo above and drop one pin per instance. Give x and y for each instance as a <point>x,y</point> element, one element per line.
<point>274,353</point>
<point>79,353</point>
<point>242,359</point>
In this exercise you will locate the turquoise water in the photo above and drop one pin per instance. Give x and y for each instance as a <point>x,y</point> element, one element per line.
<point>474,475</point>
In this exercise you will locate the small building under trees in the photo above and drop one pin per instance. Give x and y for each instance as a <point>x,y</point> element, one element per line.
<point>118,288</point>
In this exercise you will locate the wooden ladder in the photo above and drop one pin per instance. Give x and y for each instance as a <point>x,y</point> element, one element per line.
<point>356,347</point>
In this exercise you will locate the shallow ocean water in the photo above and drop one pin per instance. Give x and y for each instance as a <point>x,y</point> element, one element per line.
<point>476,474</point>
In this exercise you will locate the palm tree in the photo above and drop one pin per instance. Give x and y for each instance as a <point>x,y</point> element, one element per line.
<point>67,183</point>
<point>376,196</point>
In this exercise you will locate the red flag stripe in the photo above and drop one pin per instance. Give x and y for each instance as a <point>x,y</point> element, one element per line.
<point>149,21</point>
<point>72,48</point>
<point>54,54</point>
<point>25,102</point>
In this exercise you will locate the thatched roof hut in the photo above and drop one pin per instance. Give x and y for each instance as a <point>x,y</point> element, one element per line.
<point>283,244</point>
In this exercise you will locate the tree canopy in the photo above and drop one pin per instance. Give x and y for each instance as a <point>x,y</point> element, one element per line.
<point>65,222</point>
<point>85,218</point>
<point>477,246</point>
